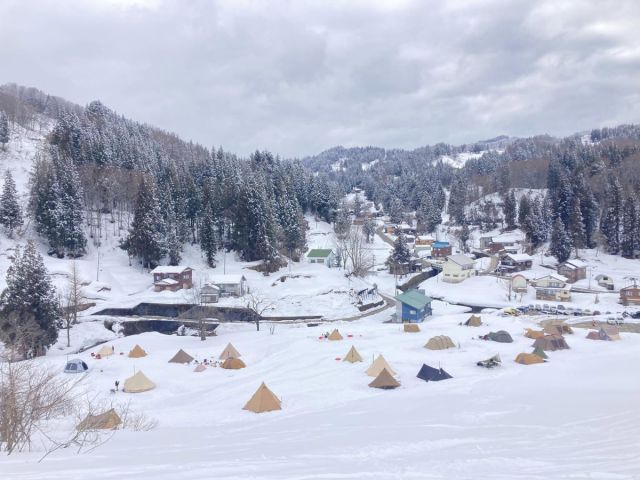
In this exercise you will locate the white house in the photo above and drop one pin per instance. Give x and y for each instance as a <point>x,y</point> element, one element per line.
<point>209,293</point>
<point>322,255</point>
<point>553,287</point>
<point>229,285</point>
<point>457,268</point>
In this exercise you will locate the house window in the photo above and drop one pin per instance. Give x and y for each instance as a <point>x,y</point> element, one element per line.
<point>321,260</point>
<point>185,276</point>
<point>412,312</point>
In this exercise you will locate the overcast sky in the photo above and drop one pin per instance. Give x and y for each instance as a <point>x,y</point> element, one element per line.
<point>297,77</point>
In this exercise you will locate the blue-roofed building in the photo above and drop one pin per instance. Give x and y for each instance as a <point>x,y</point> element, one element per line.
<point>440,249</point>
<point>412,306</point>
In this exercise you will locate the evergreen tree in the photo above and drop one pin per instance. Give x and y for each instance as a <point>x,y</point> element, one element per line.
<point>401,254</point>
<point>458,199</point>
<point>209,237</point>
<point>147,235</point>
<point>629,237</point>
<point>611,224</point>
<point>576,226</point>
<point>70,207</point>
<point>4,130</point>
<point>29,307</point>
<point>428,215</point>
<point>396,210</point>
<point>589,207</point>
<point>523,209</point>
<point>509,209</point>
<point>560,246</point>
<point>342,224</point>
<point>10,211</point>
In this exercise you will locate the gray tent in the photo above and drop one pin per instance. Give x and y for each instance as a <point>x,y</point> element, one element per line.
<point>500,336</point>
<point>181,357</point>
<point>551,343</point>
<point>76,366</point>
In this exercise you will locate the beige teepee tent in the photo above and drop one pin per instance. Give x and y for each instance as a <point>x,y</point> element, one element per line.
<point>385,380</point>
<point>377,366</point>
<point>108,420</point>
<point>335,335</point>
<point>411,327</point>
<point>229,352</point>
<point>473,321</point>
<point>440,342</point>
<point>181,357</point>
<point>137,352</point>
<point>105,351</point>
<point>138,383</point>
<point>233,364</point>
<point>200,368</point>
<point>352,356</point>
<point>264,400</point>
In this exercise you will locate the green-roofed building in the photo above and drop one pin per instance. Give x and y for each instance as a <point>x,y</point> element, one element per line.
<point>322,255</point>
<point>412,306</point>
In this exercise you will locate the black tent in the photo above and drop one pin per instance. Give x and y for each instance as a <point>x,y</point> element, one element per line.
<point>500,336</point>
<point>430,374</point>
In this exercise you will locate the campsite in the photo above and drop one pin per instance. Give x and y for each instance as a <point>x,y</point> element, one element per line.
<point>325,398</point>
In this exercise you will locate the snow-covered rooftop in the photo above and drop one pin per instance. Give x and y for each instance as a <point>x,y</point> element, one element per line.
<point>228,279</point>
<point>460,259</point>
<point>519,257</point>
<point>170,269</point>
<point>573,264</point>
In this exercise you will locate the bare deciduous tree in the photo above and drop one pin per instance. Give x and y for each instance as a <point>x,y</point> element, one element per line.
<point>258,304</point>
<point>71,298</point>
<point>357,257</point>
<point>29,396</point>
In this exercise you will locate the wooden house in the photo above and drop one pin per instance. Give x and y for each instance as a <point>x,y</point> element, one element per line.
<point>209,293</point>
<point>172,278</point>
<point>229,285</point>
<point>574,270</point>
<point>630,295</point>
<point>440,249</point>
<point>552,287</point>
<point>515,262</point>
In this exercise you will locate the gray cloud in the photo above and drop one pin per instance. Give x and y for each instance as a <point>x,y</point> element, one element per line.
<point>297,77</point>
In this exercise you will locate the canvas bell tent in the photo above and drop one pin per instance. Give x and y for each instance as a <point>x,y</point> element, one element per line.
<point>137,352</point>
<point>528,359</point>
<point>385,381</point>
<point>352,356</point>
<point>411,327</point>
<point>138,383</point>
<point>105,351</point>
<point>264,400</point>
<point>233,364</point>
<point>181,357</point>
<point>377,366</point>
<point>473,321</point>
<point>229,352</point>
<point>335,335</point>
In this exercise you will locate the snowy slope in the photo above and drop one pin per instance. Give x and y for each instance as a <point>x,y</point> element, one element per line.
<point>540,421</point>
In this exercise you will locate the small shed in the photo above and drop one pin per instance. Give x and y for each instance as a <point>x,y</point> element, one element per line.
<point>440,249</point>
<point>574,270</point>
<point>322,255</point>
<point>412,306</point>
<point>209,293</point>
<point>630,295</point>
<point>230,285</point>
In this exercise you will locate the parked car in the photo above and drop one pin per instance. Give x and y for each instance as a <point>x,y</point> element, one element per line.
<point>538,307</point>
<point>615,321</point>
<point>546,308</point>
<point>587,312</point>
<point>561,309</point>
<point>578,312</point>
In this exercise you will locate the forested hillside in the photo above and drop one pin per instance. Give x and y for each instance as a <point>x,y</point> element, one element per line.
<point>99,170</point>
<point>589,184</point>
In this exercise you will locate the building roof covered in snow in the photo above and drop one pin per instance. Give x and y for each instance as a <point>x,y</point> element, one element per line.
<point>170,269</point>
<point>461,260</point>
<point>414,299</point>
<point>574,264</point>
<point>519,257</point>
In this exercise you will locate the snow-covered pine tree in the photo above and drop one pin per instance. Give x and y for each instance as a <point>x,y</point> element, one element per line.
<point>401,255</point>
<point>70,207</point>
<point>147,235</point>
<point>576,226</point>
<point>509,209</point>
<point>611,224</point>
<point>30,311</point>
<point>560,246</point>
<point>396,210</point>
<point>523,209</point>
<point>342,224</point>
<point>458,199</point>
<point>10,211</point>
<point>209,241</point>
<point>4,130</point>
<point>629,235</point>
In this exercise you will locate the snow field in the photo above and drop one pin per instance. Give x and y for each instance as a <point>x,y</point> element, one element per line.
<point>575,416</point>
